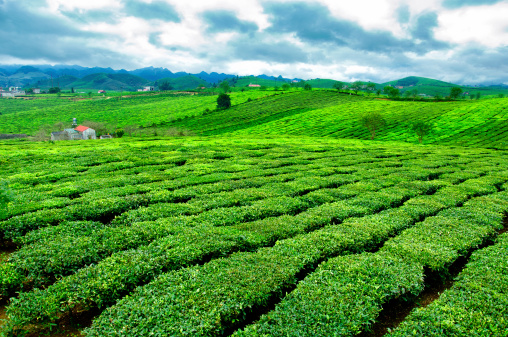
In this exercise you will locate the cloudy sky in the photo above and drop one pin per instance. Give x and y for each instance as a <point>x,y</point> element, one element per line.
<point>461,41</point>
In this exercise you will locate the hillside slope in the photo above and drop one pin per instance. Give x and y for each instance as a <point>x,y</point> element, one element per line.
<point>481,123</point>
<point>185,82</point>
<point>316,113</point>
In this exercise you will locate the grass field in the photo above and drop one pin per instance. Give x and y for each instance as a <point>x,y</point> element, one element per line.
<point>279,218</point>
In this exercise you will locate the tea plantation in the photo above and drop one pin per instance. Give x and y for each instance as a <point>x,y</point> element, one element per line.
<point>265,224</point>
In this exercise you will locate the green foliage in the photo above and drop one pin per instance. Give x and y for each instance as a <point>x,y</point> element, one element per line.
<point>165,86</point>
<point>223,101</point>
<point>224,86</point>
<point>338,85</point>
<point>373,122</point>
<point>119,133</point>
<point>455,92</point>
<point>307,86</point>
<point>391,91</point>
<point>422,129</point>
<point>100,220</point>
<point>54,90</point>
<point>6,196</point>
<point>474,306</point>
<point>356,86</point>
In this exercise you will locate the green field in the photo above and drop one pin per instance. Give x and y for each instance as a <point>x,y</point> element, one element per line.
<point>317,113</point>
<point>278,218</point>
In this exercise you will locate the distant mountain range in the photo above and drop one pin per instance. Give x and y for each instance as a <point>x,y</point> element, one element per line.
<point>47,76</point>
<point>77,77</point>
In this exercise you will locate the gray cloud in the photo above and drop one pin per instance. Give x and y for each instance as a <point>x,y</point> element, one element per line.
<point>424,26</point>
<point>155,10</point>
<point>423,32</point>
<point>219,21</point>
<point>28,34</point>
<point>313,23</point>
<point>282,52</point>
<point>462,3</point>
<point>403,14</point>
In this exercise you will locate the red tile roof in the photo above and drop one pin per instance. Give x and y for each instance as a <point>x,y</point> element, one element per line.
<point>81,128</point>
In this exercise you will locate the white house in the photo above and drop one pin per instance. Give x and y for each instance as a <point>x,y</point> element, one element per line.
<point>86,132</point>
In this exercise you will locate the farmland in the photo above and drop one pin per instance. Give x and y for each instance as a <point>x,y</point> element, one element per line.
<point>246,237</point>
<point>295,113</point>
<point>278,217</point>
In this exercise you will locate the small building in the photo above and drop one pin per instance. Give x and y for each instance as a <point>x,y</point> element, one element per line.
<point>36,91</point>
<point>254,86</point>
<point>101,91</point>
<point>148,89</point>
<point>86,132</point>
<point>66,134</point>
<point>106,137</point>
<point>59,135</point>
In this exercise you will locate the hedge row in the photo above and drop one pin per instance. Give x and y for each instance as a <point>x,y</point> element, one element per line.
<point>35,219</point>
<point>476,305</point>
<point>332,302</point>
<point>213,298</point>
<point>117,275</point>
<point>61,252</point>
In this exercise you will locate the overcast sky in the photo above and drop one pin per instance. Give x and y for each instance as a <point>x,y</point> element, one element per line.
<point>461,41</point>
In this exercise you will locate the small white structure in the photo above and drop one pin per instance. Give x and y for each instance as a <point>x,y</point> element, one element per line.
<point>36,91</point>
<point>254,85</point>
<point>86,132</point>
<point>106,137</point>
<point>148,89</point>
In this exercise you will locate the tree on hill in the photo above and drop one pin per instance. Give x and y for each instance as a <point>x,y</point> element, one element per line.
<point>391,91</point>
<point>422,129</point>
<point>455,92</point>
<point>371,87</point>
<point>373,121</point>
<point>54,90</point>
<point>286,86</point>
<point>338,85</point>
<point>165,86</point>
<point>224,85</point>
<point>223,101</point>
<point>307,86</point>
<point>356,86</point>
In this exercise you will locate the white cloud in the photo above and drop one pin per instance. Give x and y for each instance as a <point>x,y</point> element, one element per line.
<point>485,25</point>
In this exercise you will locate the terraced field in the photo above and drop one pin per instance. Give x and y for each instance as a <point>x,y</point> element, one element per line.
<point>251,237</point>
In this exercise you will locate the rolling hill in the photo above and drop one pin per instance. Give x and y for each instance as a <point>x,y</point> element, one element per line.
<point>433,87</point>
<point>110,82</point>
<point>185,82</point>
<point>296,113</point>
